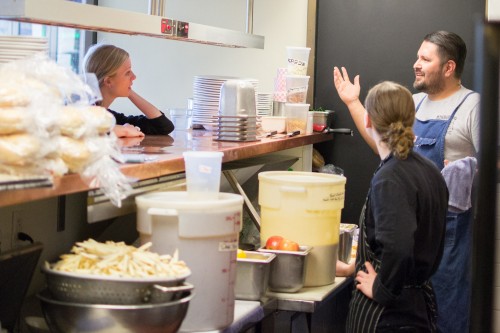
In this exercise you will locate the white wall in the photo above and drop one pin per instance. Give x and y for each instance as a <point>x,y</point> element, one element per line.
<point>165,68</point>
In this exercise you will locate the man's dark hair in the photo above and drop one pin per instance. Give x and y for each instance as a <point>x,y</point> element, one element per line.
<point>450,47</point>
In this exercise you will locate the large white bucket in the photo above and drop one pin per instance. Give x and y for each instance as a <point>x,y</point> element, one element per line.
<point>206,234</point>
<point>304,207</point>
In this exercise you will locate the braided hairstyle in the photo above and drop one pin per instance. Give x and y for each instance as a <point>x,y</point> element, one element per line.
<point>392,113</point>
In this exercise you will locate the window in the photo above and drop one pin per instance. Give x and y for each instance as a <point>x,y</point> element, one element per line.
<point>67,46</point>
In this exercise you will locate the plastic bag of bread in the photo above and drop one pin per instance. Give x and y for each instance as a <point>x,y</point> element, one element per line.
<point>15,119</point>
<point>74,152</point>
<point>100,119</point>
<point>52,105</point>
<point>103,171</point>
<point>77,121</point>
<point>20,149</point>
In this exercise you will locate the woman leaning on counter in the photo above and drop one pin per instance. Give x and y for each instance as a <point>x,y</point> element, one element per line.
<point>113,69</point>
<point>402,224</point>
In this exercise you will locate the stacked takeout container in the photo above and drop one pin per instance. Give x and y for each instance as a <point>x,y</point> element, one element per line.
<point>236,119</point>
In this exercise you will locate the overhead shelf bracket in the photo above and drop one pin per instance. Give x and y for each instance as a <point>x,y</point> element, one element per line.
<point>90,17</point>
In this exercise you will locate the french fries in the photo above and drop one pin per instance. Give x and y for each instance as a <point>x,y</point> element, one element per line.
<point>119,260</point>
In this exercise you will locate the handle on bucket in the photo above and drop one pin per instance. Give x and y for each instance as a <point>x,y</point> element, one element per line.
<point>144,224</point>
<point>293,189</point>
<point>163,211</point>
<point>185,287</point>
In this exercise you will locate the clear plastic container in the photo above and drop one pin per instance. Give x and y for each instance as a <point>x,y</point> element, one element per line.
<point>181,118</point>
<point>296,88</point>
<point>203,172</point>
<point>296,117</point>
<point>297,59</point>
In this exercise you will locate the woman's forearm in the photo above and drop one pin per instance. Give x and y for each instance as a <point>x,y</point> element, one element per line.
<point>148,109</point>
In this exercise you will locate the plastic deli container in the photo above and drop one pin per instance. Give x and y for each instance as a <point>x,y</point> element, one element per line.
<point>296,117</point>
<point>252,275</point>
<point>288,269</point>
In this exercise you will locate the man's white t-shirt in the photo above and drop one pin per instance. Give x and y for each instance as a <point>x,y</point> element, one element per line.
<point>462,138</point>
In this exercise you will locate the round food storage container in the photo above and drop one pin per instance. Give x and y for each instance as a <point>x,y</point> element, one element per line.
<point>304,207</point>
<point>206,234</point>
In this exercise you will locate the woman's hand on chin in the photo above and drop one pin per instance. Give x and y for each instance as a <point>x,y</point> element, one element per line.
<point>127,131</point>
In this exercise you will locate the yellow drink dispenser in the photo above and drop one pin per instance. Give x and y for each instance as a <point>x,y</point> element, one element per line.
<point>304,207</point>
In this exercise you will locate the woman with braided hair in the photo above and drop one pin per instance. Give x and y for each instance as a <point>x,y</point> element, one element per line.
<point>402,225</point>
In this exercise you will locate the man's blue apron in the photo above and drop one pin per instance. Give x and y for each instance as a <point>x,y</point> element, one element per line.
<point>452,280</point>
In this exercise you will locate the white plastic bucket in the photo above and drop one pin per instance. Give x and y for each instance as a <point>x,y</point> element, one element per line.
<point>304,207</point>
<point>206,234</point>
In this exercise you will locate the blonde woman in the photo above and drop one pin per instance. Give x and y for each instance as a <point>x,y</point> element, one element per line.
<point>113,68</point>
<point>402,225</point>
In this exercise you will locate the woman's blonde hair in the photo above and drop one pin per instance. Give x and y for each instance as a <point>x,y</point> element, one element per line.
<point>104,60</point>
<point>391,110</point>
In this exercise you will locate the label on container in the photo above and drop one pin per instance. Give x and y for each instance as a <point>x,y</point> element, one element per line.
<point>228,246</point>
<point>337,196</point>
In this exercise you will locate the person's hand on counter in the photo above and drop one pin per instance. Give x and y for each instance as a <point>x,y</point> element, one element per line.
<point>130,142</point>
<point>343,269</point>
<point>127,131</point>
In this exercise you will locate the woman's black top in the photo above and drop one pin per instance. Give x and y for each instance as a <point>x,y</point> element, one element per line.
<point>157,126</point>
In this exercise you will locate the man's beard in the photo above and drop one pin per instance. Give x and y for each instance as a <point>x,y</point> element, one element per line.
<point>432,86</point>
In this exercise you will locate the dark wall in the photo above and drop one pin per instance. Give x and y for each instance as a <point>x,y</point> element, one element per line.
<point>379,40</point>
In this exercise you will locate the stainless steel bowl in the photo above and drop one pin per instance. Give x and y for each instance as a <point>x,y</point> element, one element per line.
<point>64,317</point>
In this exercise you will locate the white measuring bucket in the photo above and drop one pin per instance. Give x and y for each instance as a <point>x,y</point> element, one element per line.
<point>206,234</point>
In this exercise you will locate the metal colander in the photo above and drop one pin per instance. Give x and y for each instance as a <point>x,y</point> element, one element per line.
<point>89,289</point>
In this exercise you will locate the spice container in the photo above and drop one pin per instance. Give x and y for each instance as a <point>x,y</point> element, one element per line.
<point>288,269</point>
<point>252,275</point>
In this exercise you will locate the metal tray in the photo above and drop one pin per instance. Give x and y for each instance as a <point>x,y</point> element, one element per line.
<point>252,275</point>
<point>288,269</point>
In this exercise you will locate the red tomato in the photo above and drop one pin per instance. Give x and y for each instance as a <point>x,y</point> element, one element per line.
<point>273,242</point>
<point>288,245</point>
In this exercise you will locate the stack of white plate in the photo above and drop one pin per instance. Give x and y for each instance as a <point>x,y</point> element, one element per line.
<point>19,47</point>
<point>264,104</point>
<point>206,95</point>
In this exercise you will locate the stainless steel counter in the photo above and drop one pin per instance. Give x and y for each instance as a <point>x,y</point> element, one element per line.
<point>309,298</point>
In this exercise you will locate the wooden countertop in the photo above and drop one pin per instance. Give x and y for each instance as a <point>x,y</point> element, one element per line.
<point>168,149</point>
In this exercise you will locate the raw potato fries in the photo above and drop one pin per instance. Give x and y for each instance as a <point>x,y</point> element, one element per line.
<point>119,259</point>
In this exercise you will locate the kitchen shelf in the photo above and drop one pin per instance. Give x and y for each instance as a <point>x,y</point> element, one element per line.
<point>90,17</point>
